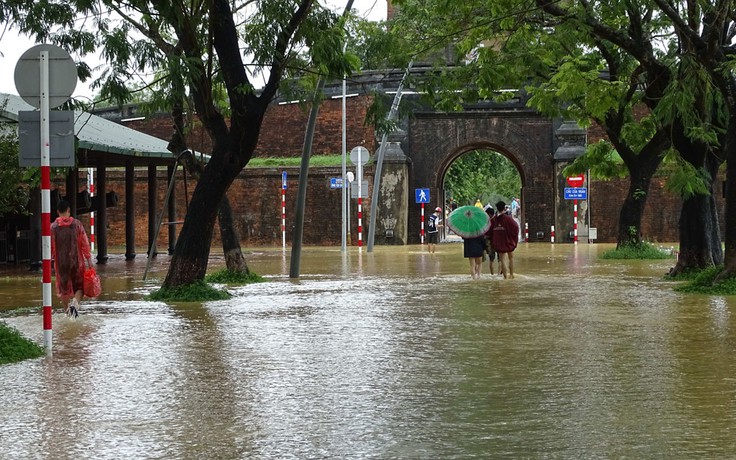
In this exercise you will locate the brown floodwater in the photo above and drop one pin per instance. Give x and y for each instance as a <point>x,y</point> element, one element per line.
<point>392,354</point>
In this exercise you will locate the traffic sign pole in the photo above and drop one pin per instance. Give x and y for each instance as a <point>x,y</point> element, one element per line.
<point>421,233</point>
<point>46,202</point>
<point>575,220</point>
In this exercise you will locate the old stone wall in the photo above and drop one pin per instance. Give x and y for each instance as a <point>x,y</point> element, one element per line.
<point>255,197</point>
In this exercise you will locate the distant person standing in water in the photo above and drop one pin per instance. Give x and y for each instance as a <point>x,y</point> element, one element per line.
<point>70,251</point>
<point>505,237</point>
<point>433,229</point>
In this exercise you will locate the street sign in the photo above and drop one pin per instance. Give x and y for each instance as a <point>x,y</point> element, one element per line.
<point>363,189</point>
<point>335,182</point>
<point>61,138</point>
<point>360,155</point>
<point>283,180</point>
<point>576,193</point>
<point>421,195</point>
<point>62,75</point>
<point>576,181</point>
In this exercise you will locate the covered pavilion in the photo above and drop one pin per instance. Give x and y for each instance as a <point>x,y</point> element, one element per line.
<point>102,144</point>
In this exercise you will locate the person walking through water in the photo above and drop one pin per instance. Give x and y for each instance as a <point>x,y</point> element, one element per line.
<point>504,238</point>
<point>488,236</point>
<point>433,229</point>
<point>70,251</point>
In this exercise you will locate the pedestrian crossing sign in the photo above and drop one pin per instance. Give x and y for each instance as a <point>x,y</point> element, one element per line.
<point>422,195</point>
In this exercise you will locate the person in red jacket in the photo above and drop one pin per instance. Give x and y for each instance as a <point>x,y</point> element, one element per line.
<point>70,251</point>
<point>504,238</point>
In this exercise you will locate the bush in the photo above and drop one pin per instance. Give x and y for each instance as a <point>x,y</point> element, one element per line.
<point>702,283</point>
<point>14,347</point>
<point>639,251</point>
<point>198,291</point>
<point>233,277</point>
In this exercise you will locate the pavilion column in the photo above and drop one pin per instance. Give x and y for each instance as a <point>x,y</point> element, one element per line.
<point>72,186</point>
<point>129,211</point>
<point>101,212</point>
<point>152,185</point>
<point>172,212</point>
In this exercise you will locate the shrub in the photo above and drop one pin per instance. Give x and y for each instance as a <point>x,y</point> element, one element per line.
<point>14,347</point>
<point>233,277</point>
<point>198,291</point>
<point>638,251</point>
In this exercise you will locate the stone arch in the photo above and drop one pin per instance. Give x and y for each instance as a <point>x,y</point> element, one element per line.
<point>435,140</point>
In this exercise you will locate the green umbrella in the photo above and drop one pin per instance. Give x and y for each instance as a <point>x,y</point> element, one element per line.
<point>469,221</point>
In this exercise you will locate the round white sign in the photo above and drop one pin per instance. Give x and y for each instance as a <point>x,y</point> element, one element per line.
<point>360,155</point>
<point>62,75</point>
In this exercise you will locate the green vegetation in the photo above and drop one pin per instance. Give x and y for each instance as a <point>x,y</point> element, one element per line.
<point>199,291</point>
<point>703,282</point>
<point>315,160</point>
<point>483,174</point>
<point>233,277</point>
<point>14,347</point>
<point>636,251</point>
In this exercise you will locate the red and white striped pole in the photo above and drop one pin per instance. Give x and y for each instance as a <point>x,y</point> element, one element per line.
<point>552,235</point>
<point>360,218</point>
<point>360,198</point>
<point>526,232</point>
<point>421,232</point>
<point>91,187</point>
<point>283,217</point>
<point>575,221</point>
<point>46,202</point>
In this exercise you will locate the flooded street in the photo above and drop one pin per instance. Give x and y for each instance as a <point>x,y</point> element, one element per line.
<point>390,355</point>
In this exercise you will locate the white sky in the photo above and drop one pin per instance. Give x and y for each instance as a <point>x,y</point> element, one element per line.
<point>13,45</point>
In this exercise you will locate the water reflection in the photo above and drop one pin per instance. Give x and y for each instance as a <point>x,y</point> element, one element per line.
<point>391,354</point>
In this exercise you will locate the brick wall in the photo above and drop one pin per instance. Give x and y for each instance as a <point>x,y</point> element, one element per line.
<point>255,197</point>
<point>283,129</point>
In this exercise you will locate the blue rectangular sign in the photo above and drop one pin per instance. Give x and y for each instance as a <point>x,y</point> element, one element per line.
<point>421,195</point>
<point>283,180</point>
<point>576,193</point>
<point>335,182</point>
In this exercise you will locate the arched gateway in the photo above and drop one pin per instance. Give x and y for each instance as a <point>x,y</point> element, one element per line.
<point>435,140</point>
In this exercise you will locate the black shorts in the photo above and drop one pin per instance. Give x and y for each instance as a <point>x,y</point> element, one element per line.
<point>433,237</point>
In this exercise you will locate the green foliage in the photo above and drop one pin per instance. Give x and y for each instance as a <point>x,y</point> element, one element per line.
<point>643,250</point>
<point>14,194</point>
<point>226,276</point>
<point>314,160</point>
<point>483,174</point>
<point>14,347</point>
<point>704,282</point>
<point>199,291</point>
<point>600,160</point>
<point>685,180</point>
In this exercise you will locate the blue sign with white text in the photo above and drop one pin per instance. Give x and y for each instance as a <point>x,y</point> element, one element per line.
<point>283,180</point>
<point>576,193</point>
<point>422,195</point>
<point>335,182</point>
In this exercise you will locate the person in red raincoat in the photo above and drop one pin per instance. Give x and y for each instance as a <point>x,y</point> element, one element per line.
<point>70,251</point>
<point>504,238</point>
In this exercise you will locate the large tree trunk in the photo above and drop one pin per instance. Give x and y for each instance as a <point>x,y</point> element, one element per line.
<point>700,235</point>
<point>729,260</point>
<point>234,259</point>
<point>700,244</point>
<point>629,221</point>
<point>191,255</point>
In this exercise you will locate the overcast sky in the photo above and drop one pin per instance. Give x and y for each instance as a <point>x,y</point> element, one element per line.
<point>13,45</point>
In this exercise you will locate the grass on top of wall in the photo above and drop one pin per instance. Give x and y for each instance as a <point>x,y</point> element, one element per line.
<point>314,160</point>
